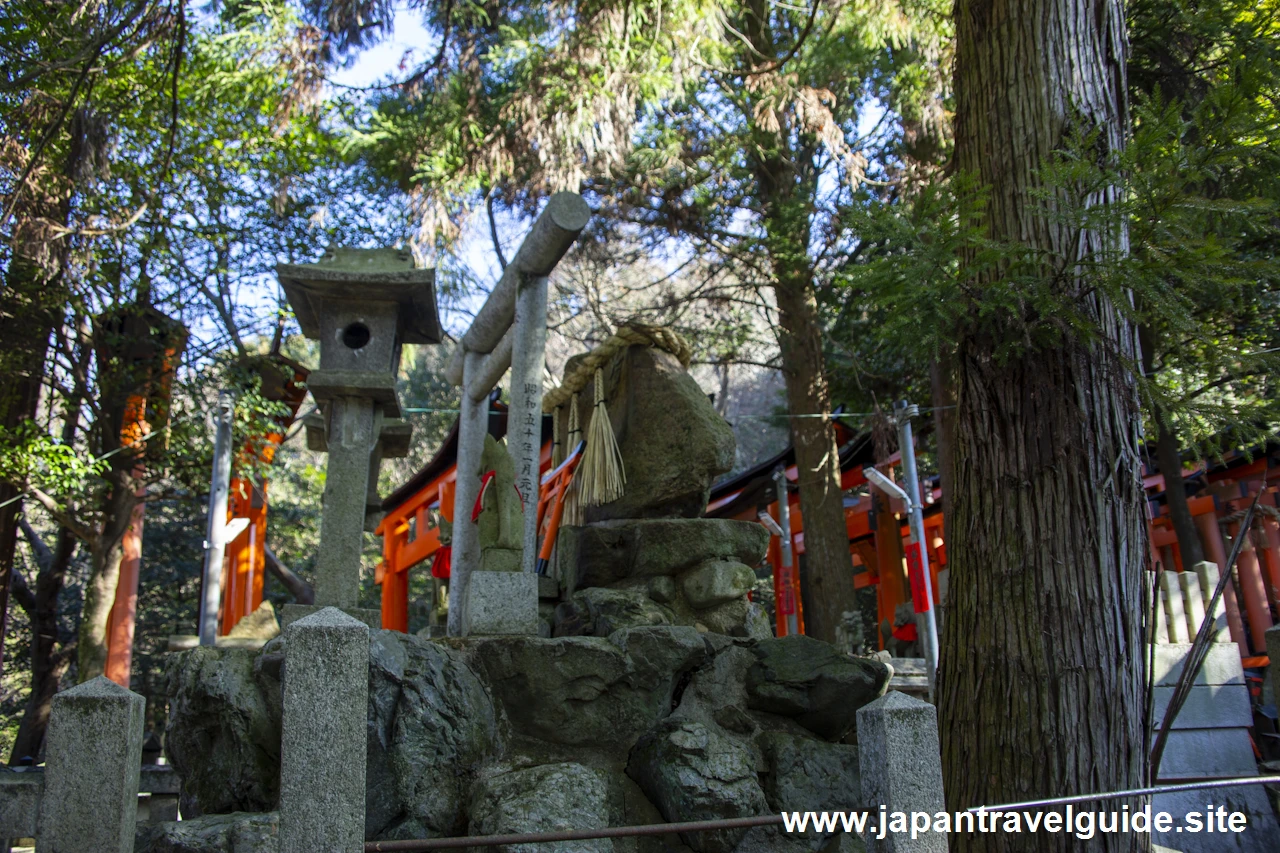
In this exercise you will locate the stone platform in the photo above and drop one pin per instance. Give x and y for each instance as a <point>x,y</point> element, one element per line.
<point>505,734</point>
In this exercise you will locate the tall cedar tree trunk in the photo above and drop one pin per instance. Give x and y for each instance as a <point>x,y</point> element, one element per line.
<point>1041,691</point>
<point>785,191</point>
<point>829,568</point>
<point>26,322</point>
<point>942,392</point>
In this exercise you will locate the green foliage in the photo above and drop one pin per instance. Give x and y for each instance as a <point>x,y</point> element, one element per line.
<point>175,159</point>
<point>30,456</point>
<point>1195,192</point>
<point>1206,221</point>
<point>669,97</point>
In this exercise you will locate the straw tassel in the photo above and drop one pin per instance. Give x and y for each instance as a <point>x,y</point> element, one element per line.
<point>603,476</point>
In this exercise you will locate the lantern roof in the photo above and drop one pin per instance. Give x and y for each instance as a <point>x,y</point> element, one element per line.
<point>364,275</point>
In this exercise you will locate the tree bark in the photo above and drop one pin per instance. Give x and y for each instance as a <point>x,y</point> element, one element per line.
<point>785,185</point>
<point>942,390</point>
<point>1041,686</point>
<point>105,555</point>
<point>1169,458</point>
<point>301,591</point>
<point>51,650</point>
<point>50,658</point>
<point>26,322</point>
<point>828,563</point>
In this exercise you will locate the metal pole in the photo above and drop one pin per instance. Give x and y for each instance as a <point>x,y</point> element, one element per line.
<point>534,838</point>
<point>524,420</point>
<point>906,445</point>
<point>215,530</point>
<point>784,544</point>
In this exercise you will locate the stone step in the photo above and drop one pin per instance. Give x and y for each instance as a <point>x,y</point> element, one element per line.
<point>908,666</point>
<point>909,676</point>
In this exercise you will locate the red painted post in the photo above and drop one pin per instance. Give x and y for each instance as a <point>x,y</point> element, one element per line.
<point>124,611</point>
<point>1270,536</point>
<point>1211,537</point>
<point>1253,589</point>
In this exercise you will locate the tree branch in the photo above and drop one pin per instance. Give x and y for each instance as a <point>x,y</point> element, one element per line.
<point>44,554</point>
<point>61,516</point>
<point>493,230</point>
<point>22,592</point>
<point>301,590</point>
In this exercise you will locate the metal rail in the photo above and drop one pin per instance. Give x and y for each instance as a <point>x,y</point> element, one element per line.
<point>426,844</point>
<point>1134,792</point>
<point>568,835</point>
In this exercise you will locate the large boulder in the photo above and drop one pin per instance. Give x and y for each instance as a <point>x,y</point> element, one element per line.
<point>736,618</point>
<point>805,774</point>
<point>716,582</point>
<point>600,555</point>
<point>238,832</point>
<point>715,694</point>
<point>223,733</point>
<point>599,612</point>
<point>694,772</point>
<point>431,723</point>
<point>587,690</point>
<point>814,683</point>
<point>672,440</point>
<point>261,624</point>
<point>547,798</point>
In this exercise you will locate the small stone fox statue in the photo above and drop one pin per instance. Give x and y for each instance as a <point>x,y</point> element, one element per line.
<point>499,511</point>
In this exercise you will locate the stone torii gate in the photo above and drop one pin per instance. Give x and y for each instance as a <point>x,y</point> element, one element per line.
<point>509,330</point>
<point>362,305</point>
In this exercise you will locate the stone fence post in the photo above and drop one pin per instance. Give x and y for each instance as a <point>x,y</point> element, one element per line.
<point>93,760</point>
<point>322,748</point>
<point>901,769</point>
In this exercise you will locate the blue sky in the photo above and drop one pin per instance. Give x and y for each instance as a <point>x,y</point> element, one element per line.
<point>392,59</point>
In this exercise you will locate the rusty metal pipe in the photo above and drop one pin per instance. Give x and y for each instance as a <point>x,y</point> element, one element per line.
<point>568,835</point>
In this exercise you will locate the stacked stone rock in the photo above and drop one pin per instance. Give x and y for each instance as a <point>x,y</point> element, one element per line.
<point>650,558</point>
<point>513,734</point>
<point>664,696</point>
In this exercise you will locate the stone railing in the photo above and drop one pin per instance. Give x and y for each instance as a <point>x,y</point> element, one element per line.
<point>1209,738</point>
<point>1184,597</point>
<point>86,799</point>
<point>86,795</point>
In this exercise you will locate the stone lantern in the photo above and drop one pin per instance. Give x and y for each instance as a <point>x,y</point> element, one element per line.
<point>363,305</point>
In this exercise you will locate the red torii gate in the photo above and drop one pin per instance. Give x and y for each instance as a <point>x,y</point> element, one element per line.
<point>245,562</point>
<point>752,492</point>
<point>408,538</point>
<point>408,535</point>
